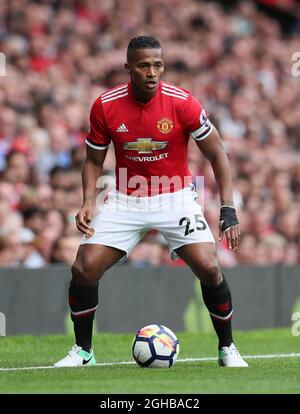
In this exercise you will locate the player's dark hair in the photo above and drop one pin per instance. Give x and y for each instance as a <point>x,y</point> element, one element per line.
<point>142,42</point>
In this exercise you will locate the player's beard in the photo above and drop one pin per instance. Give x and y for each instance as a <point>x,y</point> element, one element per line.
<point>142,92</point>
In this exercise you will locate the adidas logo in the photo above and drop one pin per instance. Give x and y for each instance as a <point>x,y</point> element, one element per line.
<point>122,128</point>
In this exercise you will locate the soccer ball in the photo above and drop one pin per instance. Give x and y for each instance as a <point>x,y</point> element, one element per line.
<point>155,346</point>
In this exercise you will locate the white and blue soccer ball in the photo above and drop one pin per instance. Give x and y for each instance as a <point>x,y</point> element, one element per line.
<point>155,346</point>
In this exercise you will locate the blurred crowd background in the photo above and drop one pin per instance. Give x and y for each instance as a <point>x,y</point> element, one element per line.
<point>61,55</point>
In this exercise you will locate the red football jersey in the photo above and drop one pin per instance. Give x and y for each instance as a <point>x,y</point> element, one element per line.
<point>150,139</point>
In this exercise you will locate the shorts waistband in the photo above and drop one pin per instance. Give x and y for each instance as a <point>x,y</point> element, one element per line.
<point>123,196</point>
<point>165,201</point>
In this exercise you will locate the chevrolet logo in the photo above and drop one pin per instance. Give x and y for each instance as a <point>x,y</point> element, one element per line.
<point>145,145</point>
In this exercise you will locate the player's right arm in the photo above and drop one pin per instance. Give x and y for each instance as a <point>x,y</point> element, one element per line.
<point>96,148</point>
<point>92,169</point>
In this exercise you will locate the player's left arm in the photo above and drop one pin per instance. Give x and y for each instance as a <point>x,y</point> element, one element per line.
<point>212,148</point>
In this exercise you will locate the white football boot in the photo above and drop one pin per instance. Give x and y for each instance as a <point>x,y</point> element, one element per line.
<point>229,356</point>
<point>77,357</point>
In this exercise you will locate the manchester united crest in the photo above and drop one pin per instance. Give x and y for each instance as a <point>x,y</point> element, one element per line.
<point>165,125</point>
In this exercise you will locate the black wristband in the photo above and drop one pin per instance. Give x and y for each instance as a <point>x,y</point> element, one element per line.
<point>228,218</point>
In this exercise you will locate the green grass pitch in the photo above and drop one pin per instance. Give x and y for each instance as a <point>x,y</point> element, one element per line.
<point>274,375</point>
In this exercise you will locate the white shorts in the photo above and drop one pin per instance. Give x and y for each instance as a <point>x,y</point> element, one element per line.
<point>124,220</point>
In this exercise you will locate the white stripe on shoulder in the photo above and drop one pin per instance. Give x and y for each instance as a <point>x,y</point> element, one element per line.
<point>115,97</point>
<point>114,94</point>
<point>167,85</point>
<point>164,88</point>
<point>97,147</point>
<point>113,91</point>
<point>173,94</point>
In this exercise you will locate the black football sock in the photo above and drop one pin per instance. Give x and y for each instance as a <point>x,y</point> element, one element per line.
<point>218,302</point>
<point>83,301</point>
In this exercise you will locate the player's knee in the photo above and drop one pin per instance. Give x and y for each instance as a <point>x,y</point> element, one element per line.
<point>84,273</point>
<point>210,274</point>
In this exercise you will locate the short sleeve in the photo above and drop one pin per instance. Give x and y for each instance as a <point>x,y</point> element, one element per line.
<point>97,137</point>
<point>195,119</point>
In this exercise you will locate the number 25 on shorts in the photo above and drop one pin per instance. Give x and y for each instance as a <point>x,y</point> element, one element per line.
<point>186,221</point>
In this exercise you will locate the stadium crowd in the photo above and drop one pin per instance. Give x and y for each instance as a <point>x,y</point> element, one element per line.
<point>60,55</point>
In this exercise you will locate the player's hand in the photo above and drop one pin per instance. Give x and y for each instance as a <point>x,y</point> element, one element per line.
<point>83,219</point>
<point>230,226</point>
